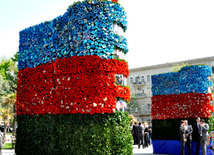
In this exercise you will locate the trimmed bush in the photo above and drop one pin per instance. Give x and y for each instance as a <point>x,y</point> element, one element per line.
<point>78,134</point>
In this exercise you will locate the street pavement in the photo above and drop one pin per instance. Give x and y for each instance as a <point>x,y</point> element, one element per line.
<point>141,151</point>
<point>146,151</point>
<point>7,152</point>
<point>136,151</point>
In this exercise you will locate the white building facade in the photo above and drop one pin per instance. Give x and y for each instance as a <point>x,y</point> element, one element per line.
<point>140,83</point>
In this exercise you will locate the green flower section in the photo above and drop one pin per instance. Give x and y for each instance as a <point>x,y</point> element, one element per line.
<point>77,134</point>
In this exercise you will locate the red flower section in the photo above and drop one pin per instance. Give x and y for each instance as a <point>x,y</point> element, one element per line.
<point>123,91</point>
<point>72,85</point>
<point>114,0</point>
<point>90,64</point>
<point>190,105</point>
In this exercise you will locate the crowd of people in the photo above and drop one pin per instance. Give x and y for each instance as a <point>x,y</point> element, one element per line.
<point>142,134</point>
<point>199,131</point>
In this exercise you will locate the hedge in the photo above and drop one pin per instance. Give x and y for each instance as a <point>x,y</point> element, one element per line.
<point>77,134</point>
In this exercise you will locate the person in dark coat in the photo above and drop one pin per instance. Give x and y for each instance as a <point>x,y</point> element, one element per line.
<point>150,133</point>
<point>135,130</point>
<point>182,133</point>
<point>196,134</point>
<point>1,141</point>
<point>132,132</point>
<point>140,135</point>
<point>146,135</point>
<point>189,130</point>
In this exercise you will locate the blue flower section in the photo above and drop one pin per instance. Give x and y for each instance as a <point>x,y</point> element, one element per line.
<point>85,29</point>
<point>121,43</point>
<point>190,79</point>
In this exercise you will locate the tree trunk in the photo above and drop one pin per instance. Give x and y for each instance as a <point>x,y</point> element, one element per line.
<point>14,119</point>
<point>5,131</point>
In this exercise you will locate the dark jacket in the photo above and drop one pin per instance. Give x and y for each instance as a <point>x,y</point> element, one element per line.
<point>135,130</point>
<point>196,132</point>
<point>150,129</point>
<point>139,131</point>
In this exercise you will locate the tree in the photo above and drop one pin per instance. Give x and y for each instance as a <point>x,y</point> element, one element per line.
<point>133,105</point>
<point>5,116</point>
<point>132,119</point>
<point>4,87</point>
<point>177,67</point>
<point>8,81</point>
<point>9,71</point>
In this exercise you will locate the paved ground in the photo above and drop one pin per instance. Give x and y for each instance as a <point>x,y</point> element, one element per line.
<point>136,151</point>
<point>7,152</point>
<point>146,151</point>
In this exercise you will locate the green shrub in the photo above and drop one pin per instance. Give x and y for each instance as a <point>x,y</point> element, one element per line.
<point>211,123</point>
<point>77,134</point>
<point>7,146</point>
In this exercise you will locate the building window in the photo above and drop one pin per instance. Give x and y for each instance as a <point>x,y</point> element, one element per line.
<point>131,80</point>
<point>143,91</point>
<point>142,78</point>
<point>149,107</point>
<point>137,79</point>
<point>140,90</point>
<point>148,78</point>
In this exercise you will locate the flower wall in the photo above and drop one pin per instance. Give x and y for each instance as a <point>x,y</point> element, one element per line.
<point>71,85</point>
<point>85,29</point>
<point>182,94</point>
<point>190,79</point>
<point>67,71</point>
<point>176,96</point>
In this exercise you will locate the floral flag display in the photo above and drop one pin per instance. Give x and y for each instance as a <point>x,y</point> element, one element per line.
<point>70,81</point>
<point>80,84</point>
<point>185,94</point>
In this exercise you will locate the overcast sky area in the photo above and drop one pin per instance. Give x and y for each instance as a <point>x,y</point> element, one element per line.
<point>159,31</point>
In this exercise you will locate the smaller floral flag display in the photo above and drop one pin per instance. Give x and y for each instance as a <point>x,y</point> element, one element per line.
<point>71,97</point>
<point>177,96</point>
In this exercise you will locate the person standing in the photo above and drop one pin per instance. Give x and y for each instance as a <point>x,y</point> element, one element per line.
<point>142,124</point>
<point>183,139</point>
<point>135,133</point>
<point>146,134</point>
<point>204,128</point>
<point>1,141</point>
<point>132,131</point>
<point>189,130</point>
<point>150,133</point>
<point>196,134</point>
<point>212,140</point>
<point>140,135</point>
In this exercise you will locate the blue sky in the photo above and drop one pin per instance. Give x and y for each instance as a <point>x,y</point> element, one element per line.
<point>159,31</point>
